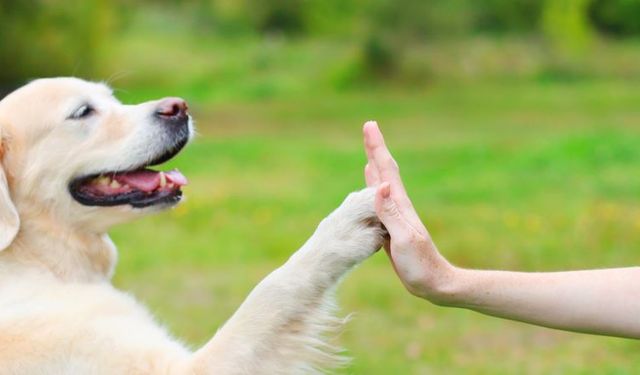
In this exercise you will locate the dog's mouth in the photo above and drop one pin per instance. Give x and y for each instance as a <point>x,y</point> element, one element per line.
<point>139,187</point>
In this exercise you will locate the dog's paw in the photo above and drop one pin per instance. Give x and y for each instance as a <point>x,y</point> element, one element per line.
<point>353,231</point>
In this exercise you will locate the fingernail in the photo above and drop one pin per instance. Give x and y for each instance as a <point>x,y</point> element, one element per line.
<point>371,123</point>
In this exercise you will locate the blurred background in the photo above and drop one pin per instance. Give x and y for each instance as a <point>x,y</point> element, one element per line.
<point>516,124</point>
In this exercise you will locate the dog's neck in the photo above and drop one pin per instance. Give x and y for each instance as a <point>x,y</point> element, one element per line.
<point>66,253</point>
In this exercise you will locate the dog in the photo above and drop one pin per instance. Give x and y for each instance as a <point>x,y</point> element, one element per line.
<point>74,162</point>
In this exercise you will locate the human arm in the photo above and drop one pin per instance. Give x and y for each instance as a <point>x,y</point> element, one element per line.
<point>605,301</point>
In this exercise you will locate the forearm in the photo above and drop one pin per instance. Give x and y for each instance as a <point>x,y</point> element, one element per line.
<point>603,301</point>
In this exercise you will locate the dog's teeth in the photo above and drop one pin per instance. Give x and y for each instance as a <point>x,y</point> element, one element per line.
<point>115,184</point>
<point>163,180</point>
<point>103,180</point>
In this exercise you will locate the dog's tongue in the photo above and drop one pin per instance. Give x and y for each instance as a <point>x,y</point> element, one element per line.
<point>148,180</point>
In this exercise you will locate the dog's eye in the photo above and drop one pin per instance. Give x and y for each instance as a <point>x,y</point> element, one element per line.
<point>82,112</point>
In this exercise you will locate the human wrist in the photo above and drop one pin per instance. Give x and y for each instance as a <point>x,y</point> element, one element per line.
<point>438,282</point>
<point>443,287</point>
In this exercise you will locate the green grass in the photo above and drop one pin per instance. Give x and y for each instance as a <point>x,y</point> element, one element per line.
<point>525,176</point>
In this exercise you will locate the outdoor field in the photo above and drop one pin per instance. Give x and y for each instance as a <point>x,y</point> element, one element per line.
<point>532,177</point>
<point>517,156</point>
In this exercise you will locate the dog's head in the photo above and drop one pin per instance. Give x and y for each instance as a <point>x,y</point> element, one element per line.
<point>71,152</point>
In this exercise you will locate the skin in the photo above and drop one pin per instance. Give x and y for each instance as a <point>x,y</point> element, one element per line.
<point>601,301</point>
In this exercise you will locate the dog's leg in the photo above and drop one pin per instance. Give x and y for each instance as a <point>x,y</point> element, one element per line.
<point>281,325</point>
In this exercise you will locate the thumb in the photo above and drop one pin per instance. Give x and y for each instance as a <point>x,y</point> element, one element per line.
<point>388,211</point>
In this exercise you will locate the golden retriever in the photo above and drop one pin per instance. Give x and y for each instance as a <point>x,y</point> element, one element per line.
<point>74,162</point>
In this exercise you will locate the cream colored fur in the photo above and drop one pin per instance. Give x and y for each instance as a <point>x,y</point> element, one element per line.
<point>59,314</point>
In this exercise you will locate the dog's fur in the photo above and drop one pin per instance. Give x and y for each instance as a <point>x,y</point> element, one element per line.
<point>59,313</point>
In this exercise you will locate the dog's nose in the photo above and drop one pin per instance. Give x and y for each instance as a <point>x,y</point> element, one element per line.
<point>172,108</point>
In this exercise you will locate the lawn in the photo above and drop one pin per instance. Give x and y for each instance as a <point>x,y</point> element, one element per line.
<point>531,176</point>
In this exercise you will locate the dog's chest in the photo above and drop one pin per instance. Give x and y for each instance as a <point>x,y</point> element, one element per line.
<point>74,326</point>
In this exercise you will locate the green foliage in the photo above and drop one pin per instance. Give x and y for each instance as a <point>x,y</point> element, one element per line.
<point>388,41</point>
<point>378,60</point>
<point>616,17</point>
<point>48,38</point>
<point>278,16</point>
<point>419,19</point>
<point>565,24</point>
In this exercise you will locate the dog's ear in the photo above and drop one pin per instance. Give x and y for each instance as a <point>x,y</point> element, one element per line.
<point>9,219</point>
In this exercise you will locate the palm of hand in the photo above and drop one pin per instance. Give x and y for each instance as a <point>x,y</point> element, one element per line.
<point>412,252</point>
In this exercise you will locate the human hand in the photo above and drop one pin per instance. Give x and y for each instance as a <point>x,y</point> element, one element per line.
<point>549,299</point>
<point>415,258</point>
